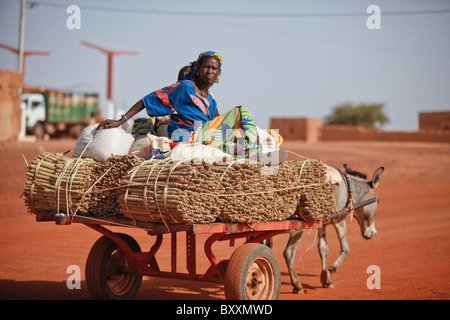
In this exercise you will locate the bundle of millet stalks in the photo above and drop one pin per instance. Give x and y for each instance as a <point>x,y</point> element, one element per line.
<point>103,197</point>
<point>316,201</point>
<point>61,185</point>
<point>237,192</point>
<point>163,191</point>
<point>168,192</point>
<point>57,184</point>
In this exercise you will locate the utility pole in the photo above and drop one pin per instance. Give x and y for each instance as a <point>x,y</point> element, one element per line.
<point>111,55</point>
<point>21,36</point>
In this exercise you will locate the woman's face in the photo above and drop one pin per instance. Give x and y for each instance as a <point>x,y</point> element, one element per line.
<point>209,70</point>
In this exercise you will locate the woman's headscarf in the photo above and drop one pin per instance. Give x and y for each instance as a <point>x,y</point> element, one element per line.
<point>192,70</point>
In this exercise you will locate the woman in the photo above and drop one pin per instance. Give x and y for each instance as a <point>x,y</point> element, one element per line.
<point>189,103</point>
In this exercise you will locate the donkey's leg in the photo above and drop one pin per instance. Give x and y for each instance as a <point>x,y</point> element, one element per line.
<point>289,254</point>
<point>323,252</point>
<point>341,230</point>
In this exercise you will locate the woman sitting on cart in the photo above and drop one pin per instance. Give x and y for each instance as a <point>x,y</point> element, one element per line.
<point>190,105</point>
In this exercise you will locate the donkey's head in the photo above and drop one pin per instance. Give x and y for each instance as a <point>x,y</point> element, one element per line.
<point>364,190</point>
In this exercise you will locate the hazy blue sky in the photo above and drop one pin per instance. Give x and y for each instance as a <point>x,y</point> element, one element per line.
<point>275,64</point>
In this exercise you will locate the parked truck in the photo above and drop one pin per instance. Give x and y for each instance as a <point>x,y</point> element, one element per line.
<point>58,113</point>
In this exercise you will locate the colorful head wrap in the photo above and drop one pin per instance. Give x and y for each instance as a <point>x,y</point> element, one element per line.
<point>192,70</point>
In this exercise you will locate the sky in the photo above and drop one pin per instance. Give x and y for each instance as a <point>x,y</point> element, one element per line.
<point>283,58</point>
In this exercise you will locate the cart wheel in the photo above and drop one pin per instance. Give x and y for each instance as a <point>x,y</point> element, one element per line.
<point>108,274</point>
<point>253,273</point>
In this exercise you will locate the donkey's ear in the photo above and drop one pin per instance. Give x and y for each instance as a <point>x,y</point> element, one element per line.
<point>376,177</point>
<point>347,167</point>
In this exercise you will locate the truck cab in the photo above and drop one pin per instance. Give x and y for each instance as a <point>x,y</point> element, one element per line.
<point>34,107</point>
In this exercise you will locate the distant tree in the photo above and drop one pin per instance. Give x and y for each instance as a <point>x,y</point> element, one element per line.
<point>368,116</point>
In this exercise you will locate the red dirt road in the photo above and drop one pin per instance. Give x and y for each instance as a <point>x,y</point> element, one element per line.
<point>411,249</point>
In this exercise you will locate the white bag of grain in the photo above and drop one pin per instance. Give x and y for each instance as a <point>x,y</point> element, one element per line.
<point>196,153</point>
<point>101,144</point>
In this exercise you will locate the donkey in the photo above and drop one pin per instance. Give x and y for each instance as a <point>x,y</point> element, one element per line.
<point>347,185</point>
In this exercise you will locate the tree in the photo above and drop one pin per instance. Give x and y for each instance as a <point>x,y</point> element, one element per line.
<point>365,115</point>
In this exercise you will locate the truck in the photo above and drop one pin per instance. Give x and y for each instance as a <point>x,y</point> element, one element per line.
<point>56,113</point>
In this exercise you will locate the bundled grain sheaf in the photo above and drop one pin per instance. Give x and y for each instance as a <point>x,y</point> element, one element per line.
<point>58,184</point>
<point>257,193</point>
<point>103,196</point>
<point>238,192</point>
<point>163,191</point>
<point>317,202</point>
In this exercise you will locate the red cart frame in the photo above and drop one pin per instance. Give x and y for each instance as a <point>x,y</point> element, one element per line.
<point>130,260</point>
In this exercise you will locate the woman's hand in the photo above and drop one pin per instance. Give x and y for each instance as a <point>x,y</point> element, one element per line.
<point>109,124</point>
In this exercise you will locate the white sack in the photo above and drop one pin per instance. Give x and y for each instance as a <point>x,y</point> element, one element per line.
<point>105,143</point>
<point>195,153</point>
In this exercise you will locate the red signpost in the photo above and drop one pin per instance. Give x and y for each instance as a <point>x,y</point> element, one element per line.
<point>25,55</point>
<point>111,55</point>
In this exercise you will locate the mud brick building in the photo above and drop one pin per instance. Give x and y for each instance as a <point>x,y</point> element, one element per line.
<point>10,99</point>
<point>434,121</point>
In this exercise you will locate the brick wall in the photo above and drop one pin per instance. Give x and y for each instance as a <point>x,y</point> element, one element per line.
<point>306,129</point>
<point>312,130</point>
<point>10,99</point>
<point>335,133</point>
<point>432,121</point>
